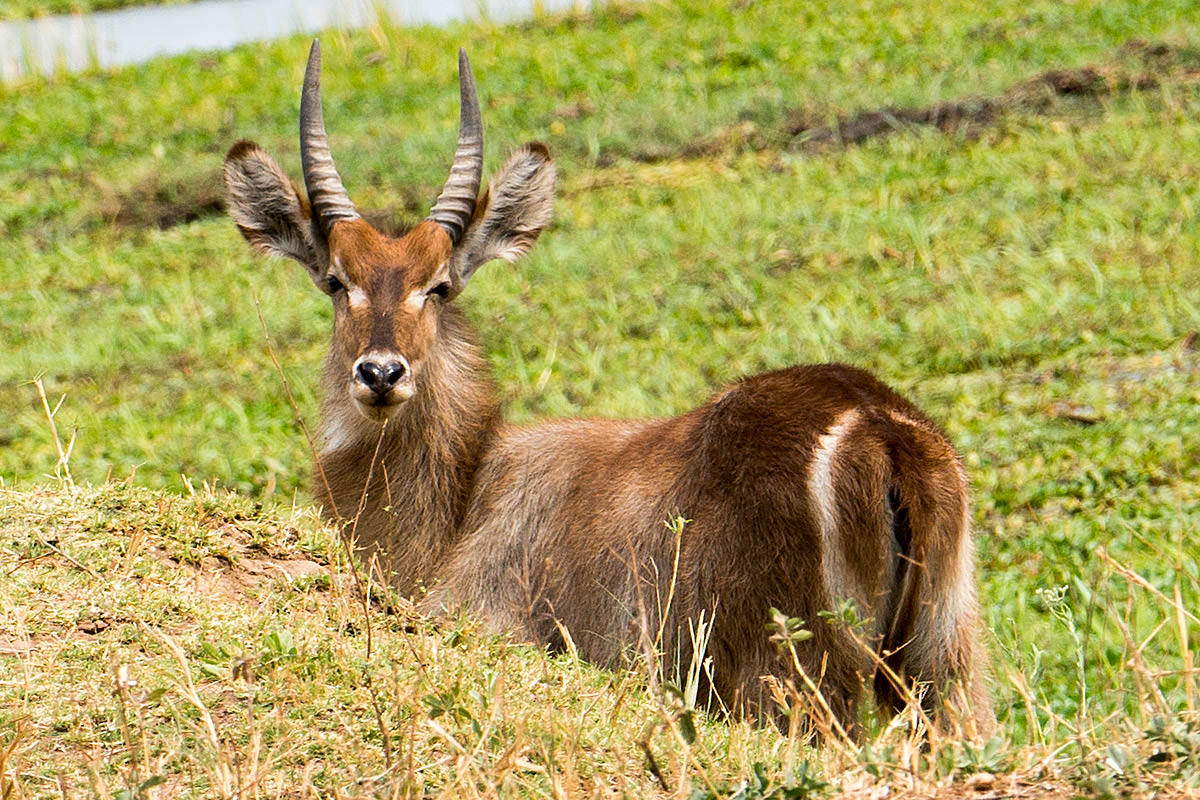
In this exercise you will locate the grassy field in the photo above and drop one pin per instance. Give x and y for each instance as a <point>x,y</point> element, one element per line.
<point>995,211</point>
<point>27,9</point>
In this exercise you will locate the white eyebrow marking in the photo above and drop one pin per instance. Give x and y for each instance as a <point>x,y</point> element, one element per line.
<point>415,299</point>
<point>354,293</point>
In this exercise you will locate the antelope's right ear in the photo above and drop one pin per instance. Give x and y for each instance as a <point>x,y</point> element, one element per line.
<point>269,210</point>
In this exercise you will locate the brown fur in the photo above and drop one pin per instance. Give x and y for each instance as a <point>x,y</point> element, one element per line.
<point>803,488</point>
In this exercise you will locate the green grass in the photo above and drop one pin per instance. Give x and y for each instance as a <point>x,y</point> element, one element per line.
<point>1031,282</point>
<point>26,9</point>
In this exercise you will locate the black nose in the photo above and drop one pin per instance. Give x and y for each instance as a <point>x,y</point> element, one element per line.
<point>380,378</point>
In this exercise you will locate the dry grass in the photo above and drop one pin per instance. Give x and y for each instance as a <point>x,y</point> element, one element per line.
<point>161,646</point>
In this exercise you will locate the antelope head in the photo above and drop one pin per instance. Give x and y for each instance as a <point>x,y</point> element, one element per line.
<point>388,293</point>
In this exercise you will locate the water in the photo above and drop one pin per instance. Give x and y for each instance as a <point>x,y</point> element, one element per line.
<point>129,36</point>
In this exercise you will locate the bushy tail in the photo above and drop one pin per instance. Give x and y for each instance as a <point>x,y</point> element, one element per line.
<point>930,640</point>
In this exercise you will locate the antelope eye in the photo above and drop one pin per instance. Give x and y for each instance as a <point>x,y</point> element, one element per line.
<point>333,285</point>
<point>441,291</point>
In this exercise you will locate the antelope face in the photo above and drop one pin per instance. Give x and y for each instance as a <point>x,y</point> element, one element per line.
<point>387,293</point>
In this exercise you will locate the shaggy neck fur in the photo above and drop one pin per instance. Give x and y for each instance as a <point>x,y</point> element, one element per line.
<point>405,516</point>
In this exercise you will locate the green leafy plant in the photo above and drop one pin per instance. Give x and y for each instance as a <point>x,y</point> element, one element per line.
<point>278,646</point>
<point>758,786</point>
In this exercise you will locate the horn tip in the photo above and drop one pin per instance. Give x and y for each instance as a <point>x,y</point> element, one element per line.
<point>312,70</point>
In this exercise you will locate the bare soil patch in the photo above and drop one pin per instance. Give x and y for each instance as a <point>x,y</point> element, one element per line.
<point>1139,66</point>
<point>158,200</point>
<point>1037,95</point>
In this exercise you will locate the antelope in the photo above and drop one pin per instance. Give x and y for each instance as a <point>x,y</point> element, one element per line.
<point>799,490</point>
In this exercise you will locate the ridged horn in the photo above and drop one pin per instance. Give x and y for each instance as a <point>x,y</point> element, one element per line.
<point>456,204</point>
<point>328,196</point>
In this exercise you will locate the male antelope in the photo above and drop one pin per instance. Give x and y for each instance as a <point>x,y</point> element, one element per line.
<point>805,488</point>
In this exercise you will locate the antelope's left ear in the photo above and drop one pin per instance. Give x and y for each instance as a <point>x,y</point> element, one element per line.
<point>510,216</point>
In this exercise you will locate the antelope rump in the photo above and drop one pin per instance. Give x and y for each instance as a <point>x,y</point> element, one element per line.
<point>803,489</point>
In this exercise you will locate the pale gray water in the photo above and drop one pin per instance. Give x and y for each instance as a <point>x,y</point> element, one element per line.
<point>129,36</point>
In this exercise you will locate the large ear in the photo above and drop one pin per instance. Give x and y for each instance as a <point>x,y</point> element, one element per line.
<point>269,211</point>
<point>509,218</point>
